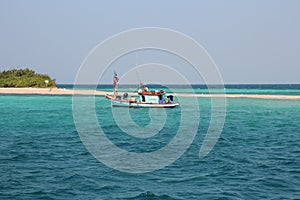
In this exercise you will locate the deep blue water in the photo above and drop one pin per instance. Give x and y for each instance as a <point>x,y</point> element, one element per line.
<point>42,156</point>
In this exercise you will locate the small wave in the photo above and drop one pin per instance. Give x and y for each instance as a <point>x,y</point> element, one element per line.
<point>151,196</point>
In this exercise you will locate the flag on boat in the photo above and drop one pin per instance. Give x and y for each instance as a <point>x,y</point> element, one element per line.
<point>116,78</point>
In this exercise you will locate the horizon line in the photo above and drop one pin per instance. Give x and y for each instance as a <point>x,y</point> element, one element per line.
<point>184,84</point>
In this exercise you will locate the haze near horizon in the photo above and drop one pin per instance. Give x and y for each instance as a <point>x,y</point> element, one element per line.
<point>250,41</point>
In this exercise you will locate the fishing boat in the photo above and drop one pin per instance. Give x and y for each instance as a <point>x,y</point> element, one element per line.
<point>143,99</point>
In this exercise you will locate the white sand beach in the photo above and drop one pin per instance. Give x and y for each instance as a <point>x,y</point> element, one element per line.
<point>50,91</point>
<point>62,91</point>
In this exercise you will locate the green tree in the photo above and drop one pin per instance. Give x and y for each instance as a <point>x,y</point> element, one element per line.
<point>25,78</point>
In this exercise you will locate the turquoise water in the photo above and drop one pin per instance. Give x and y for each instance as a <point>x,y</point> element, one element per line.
<point>256,157</point>
<point>279,89</point>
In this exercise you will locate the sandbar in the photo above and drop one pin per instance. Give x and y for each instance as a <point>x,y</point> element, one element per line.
<point>62,91</point>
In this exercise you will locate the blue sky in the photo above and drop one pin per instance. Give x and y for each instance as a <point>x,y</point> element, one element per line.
<point>250,41</point>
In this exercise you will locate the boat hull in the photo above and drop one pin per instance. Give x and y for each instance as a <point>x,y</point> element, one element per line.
<point>126,103</point>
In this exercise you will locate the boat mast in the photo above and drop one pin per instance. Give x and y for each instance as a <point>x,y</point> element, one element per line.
<point>140,85</point>
<point>116,79</point>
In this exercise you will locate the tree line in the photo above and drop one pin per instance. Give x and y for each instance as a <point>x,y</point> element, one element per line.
<point>25,78</point>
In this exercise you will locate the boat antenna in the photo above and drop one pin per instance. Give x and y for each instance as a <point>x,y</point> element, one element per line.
<point>139,80</point>
<point>137,73</point>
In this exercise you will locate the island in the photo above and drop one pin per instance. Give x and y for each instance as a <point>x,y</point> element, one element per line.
<point>27,81</point>
<point>25,78</point>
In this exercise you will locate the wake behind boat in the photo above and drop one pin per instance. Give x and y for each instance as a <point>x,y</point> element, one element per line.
<point>143,99</point>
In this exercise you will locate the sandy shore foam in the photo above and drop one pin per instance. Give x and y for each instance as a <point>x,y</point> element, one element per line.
<point>62,91</point>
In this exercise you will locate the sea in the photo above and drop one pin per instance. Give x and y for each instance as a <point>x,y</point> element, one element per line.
<point>256,156</point>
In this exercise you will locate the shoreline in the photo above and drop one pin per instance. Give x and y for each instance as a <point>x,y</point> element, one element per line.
<point>62,91</point>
